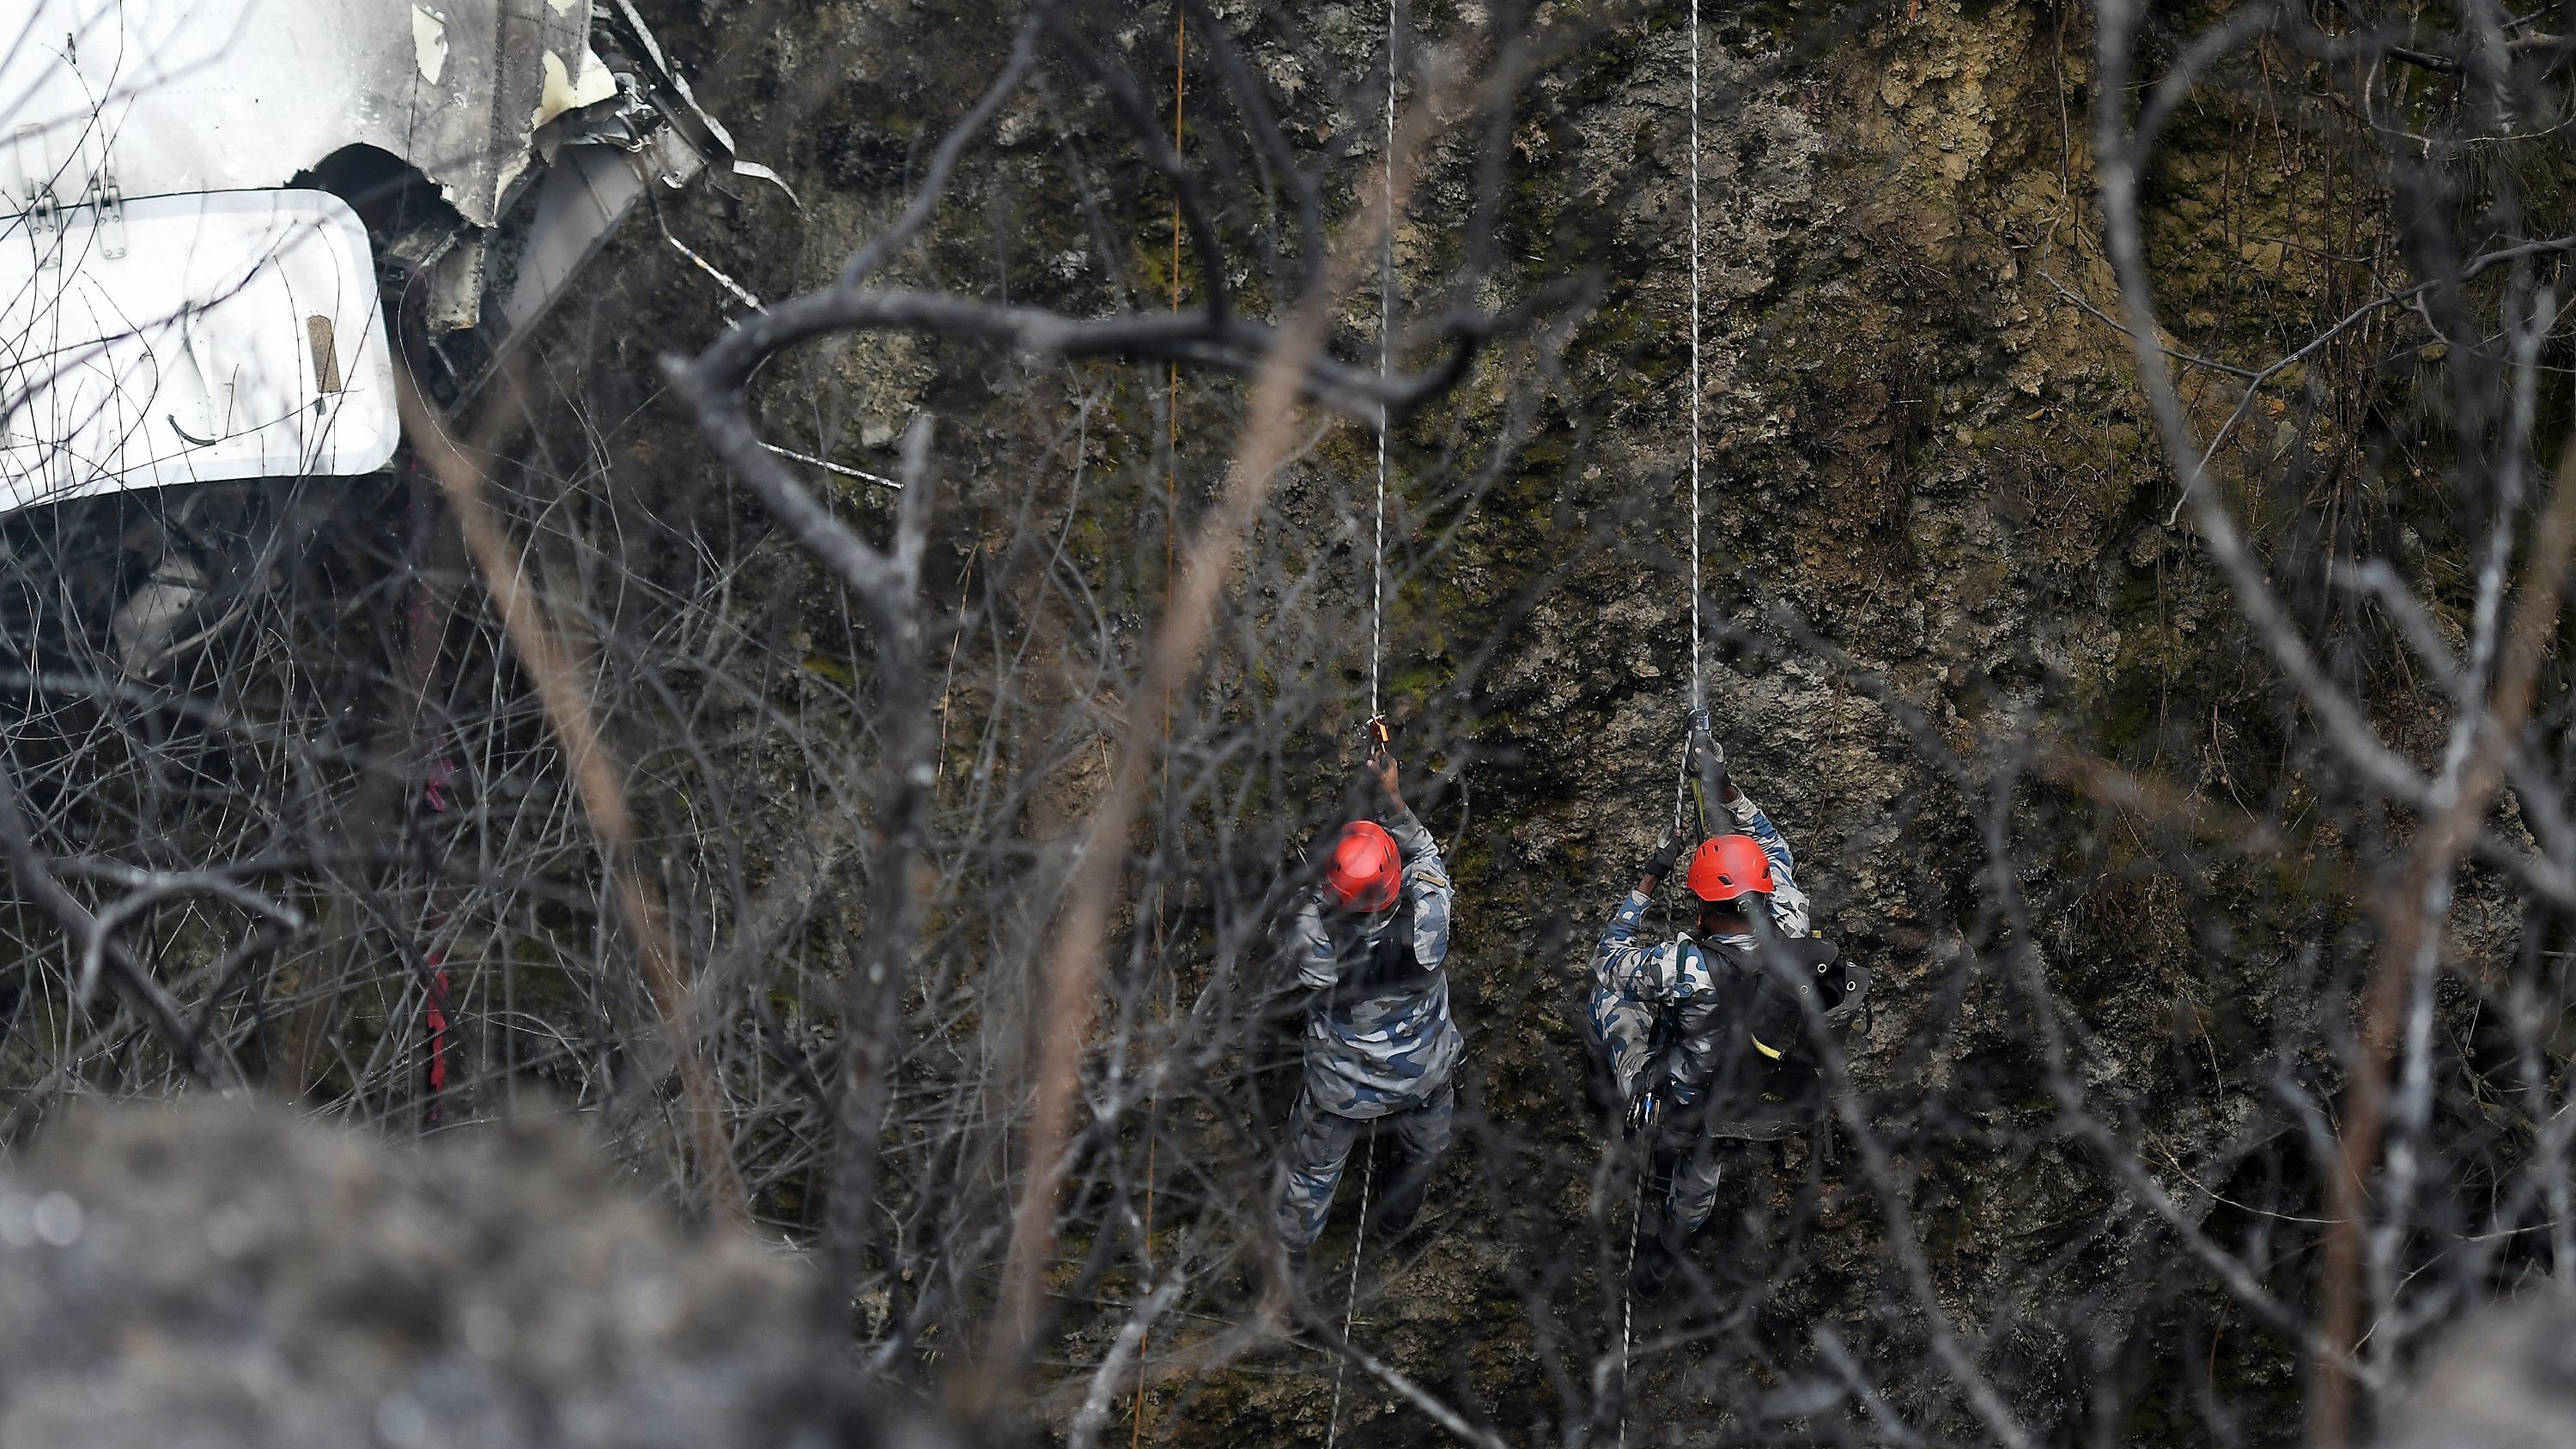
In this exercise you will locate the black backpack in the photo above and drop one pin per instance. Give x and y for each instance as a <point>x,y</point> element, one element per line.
<point>1767,1043</point>
<point>1776,1005</point>
<point>1387,961</point>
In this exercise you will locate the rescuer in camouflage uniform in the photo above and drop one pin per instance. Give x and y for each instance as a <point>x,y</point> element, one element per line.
<point>1372,942</point>
<point>1700,984</point>
<point>1631,982</point>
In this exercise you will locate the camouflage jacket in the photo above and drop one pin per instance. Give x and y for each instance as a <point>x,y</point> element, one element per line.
<point>1378,1033</point>
<point>1697,984</point>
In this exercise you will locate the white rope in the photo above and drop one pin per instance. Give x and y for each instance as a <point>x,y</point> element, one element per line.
<point>1627,1308</point>
<point>1351,1305</point>
<point>1698,693</point>
<point>1698,690</point>
<point>1377,651</point>
<point>829,466</point>
<point>740,293</point>
<point>1385,324</point>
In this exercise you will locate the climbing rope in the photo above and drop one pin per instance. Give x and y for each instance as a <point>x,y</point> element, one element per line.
<point>1351,1304</point>
<point>1698,687</point>
<point>1377,653</point>
<point>1627,1308</point>
<point>1698,692</point>
<point>1385,324</point>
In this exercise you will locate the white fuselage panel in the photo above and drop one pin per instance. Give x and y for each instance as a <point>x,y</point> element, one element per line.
<point>189,339</point>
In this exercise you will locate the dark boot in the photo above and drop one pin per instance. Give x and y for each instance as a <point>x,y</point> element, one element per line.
<point>1402,1206</point>
<point>1662,1243</point>
<point>1652,1272</point>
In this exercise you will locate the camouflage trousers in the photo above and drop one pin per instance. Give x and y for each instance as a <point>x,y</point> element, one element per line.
<point>1319,1145</point>
<point>1690,1167</point>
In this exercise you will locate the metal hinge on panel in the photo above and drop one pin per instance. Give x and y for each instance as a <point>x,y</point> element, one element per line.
<point>44,209</point>
<point>109,202</point>
<point>45,224</point>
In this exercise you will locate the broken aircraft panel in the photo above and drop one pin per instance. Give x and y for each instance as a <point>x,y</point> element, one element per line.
<point>186,302</point>
<point>189,338</point>
<point>166,96</point>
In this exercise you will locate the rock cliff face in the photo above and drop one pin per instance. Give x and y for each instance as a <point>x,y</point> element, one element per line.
<point>1944,585</point>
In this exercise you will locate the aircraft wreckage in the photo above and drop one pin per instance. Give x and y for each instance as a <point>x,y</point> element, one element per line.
<point>219,205</point>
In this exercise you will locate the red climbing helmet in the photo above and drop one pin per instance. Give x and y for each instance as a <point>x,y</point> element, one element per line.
<point>1730,866</point>
<point>1365,869</point>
